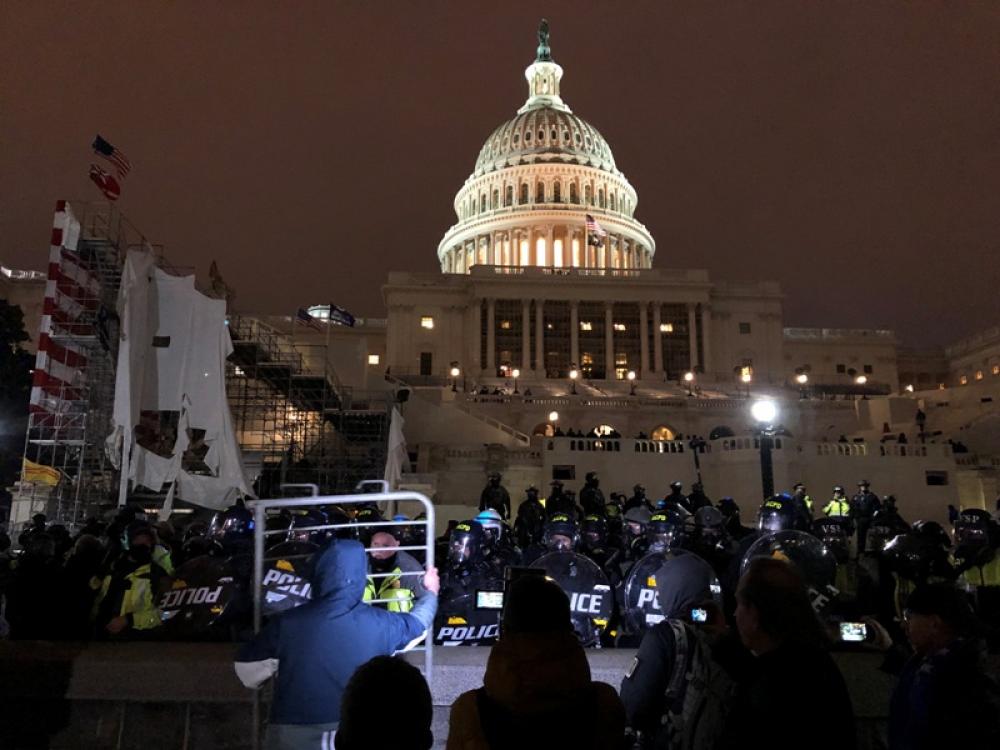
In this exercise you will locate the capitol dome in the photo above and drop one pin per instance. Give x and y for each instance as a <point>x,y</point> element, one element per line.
<point>538,179</point>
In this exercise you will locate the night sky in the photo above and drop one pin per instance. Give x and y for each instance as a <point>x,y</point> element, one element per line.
<point>849,150</point>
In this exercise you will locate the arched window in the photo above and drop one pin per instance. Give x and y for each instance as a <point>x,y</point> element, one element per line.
<point>662,433</point>
<point>721,431</point>
<point>588,196</point>
<point>524,193</point>
<point>600,197</point>
<point>603,430</point>
<point>557,192</point>
<point>611,201</point>
<point>544,428</point>
<point>482,203</point>
<point>539,192</point>
<point>508,197</point>
<point>574,196</point>
<point>496,199</point>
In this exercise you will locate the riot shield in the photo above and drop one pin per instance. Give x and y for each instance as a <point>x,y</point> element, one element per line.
<point>208,594</point>
<point>287,572</point>
<point>814,561</point>
<point>463,620</point>
<point>591,599</point>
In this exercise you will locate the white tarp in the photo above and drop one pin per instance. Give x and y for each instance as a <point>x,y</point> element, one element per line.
<point>172,360</point>
<point>397,456</point>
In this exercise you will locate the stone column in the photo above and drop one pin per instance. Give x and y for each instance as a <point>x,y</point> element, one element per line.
<point>550,248</point>
<point>607,252</point>
<point>491,346</point>
<point>609,342</point>
<point>643,338</point>
<point>657,337</point>
<point>574,333</point>
<point>525,337</point>
<point>706,324</point>
<point>474,362</point>
<point>539,338</point>
<point>692,336</point>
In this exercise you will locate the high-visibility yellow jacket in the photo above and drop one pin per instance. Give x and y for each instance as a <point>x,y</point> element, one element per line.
<point>390,587</point>
<point>139,600</point>
<point>985,575</point>
<point>839,508</point>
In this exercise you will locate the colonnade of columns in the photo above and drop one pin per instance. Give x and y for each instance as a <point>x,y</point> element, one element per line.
<point>553,245</point>
<point>648,365</point>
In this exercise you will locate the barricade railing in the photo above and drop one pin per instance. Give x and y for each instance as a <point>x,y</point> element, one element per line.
<point>260,510</point>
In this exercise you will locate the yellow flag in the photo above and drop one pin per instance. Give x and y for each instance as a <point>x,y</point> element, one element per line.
<point>32,472</point>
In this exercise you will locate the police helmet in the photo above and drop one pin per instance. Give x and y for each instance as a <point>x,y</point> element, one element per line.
<point>367,515</point>
<point>560,533</point>
<point>664,530</point>
<point>196,530</point>
<point>492,524</point>
<point>798,486</point>
<point>595,531</point>
<point>636,520</point>
<point>728,507</point>
<point>613,512</point>
<point>908,556</point>
<point>234,525</point>
<point>780,513</point>
<point>302,523</point>
<point>495,476</point>
<point>337,515</point>
<point>676,485</point>
<point>864,483</point>
<point>465,543</point>
<point>198,546</point>
<point>639,490</point>
<point>838,489</point>
<point>709,523</point>
<point>531,493</point>
<point>932,533</point>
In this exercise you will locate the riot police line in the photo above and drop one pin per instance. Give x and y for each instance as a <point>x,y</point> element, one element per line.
<point>607,562</point>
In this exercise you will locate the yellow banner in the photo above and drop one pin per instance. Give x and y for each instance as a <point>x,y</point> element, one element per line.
<point>32,472</point>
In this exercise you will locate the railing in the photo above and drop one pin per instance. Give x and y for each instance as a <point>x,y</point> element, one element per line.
<point>837,333</point>
<point>519,436</point>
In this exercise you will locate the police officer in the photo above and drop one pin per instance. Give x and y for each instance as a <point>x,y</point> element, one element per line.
<point>232,529</point>
<point>730,510</point>
<point>638,499</point>
<point>664,531</point>
<point>495,496</point>
<point>465,569</point>
<point>675,496</point>
<point>393,575</point>
<point>635,524</point>
<point>838,507</point>
<point>591,496</point>
<point>697,499</point>
<point>800,495</point>
<point>863,507</point>
<point>595,545</point>
<point>781,513</point>
<point>125,605</point>
<point>561,535</point>
<point>530,519</point>
<point>977,538</point>
<point>710,540</point>
<point>562,501</point>
<point>498,550</point>
<point>615,518</point>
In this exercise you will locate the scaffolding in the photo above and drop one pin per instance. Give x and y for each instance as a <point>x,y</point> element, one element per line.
<point>296,422</point>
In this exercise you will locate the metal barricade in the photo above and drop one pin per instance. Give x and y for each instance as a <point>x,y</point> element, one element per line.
<point>260,508</point>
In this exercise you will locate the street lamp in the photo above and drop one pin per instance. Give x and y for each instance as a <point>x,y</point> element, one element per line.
<point>631,382</point>
<point>515,373</point>
<point>764,413</point>
<point>689,379</point>
<point>909,388</point>
<point>553,417</point>
<point>454,372</point>
<point>802,378</point>
<point>862,380</point>
<point>573,375</point>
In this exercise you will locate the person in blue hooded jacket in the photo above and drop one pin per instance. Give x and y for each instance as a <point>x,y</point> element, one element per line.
<point>314,649</point>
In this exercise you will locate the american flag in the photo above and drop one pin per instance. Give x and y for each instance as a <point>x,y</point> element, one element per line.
<point>302,317</point>
<point>595,233</point>
<point>113,155</point>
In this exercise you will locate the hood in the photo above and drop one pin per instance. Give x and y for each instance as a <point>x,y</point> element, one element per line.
<point>531,673</point>
<point>340,572</point>
<point>683,582</point>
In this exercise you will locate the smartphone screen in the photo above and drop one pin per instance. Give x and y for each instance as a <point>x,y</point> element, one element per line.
<point>853,632</point>
<point>489,600</point>
<point>699,615</point>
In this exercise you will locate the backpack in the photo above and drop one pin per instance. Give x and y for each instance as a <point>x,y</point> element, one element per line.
<point>699,695</point>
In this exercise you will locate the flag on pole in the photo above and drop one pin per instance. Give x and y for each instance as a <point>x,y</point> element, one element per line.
<point>105,182</point>
<point>39,474</point>
<point>302,317</point>
<point>340,316</point>
<point>595,232</point>
<point>115,156</point>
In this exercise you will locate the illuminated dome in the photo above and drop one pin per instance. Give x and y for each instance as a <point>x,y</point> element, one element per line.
<point>539,176</point>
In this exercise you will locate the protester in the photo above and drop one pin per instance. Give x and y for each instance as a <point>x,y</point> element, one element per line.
<point>792,675</point>
<point>363,708</point>
<point>315,648</point>
<point>537,691</point>
<point>128,594</point>
<point>944,697</point>
<point>33,602</point>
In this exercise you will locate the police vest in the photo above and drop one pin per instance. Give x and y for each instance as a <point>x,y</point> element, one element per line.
<point>837,508</point>
<point>390,587</point>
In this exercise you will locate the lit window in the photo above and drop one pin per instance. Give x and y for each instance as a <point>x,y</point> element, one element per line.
<point>505,324</point>
<point>586,326</point>
<point>979,374</point>
<point>237,369</point>
<point>374,359</point>
<point>964,380</point>
<point>996,369</point>
<point>619,326</point>
<point>427,322</point>
<point>666,327</point>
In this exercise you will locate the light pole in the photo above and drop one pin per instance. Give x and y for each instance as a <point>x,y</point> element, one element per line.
<point>454,372</point>
<point>631,382</point>
<point>802,378</point>
<point>573,375</point>
<point>515,373</point>
<point>553,418</point>
<point>862,380</point>
<point>689,380</point>
<point>764,413</point>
